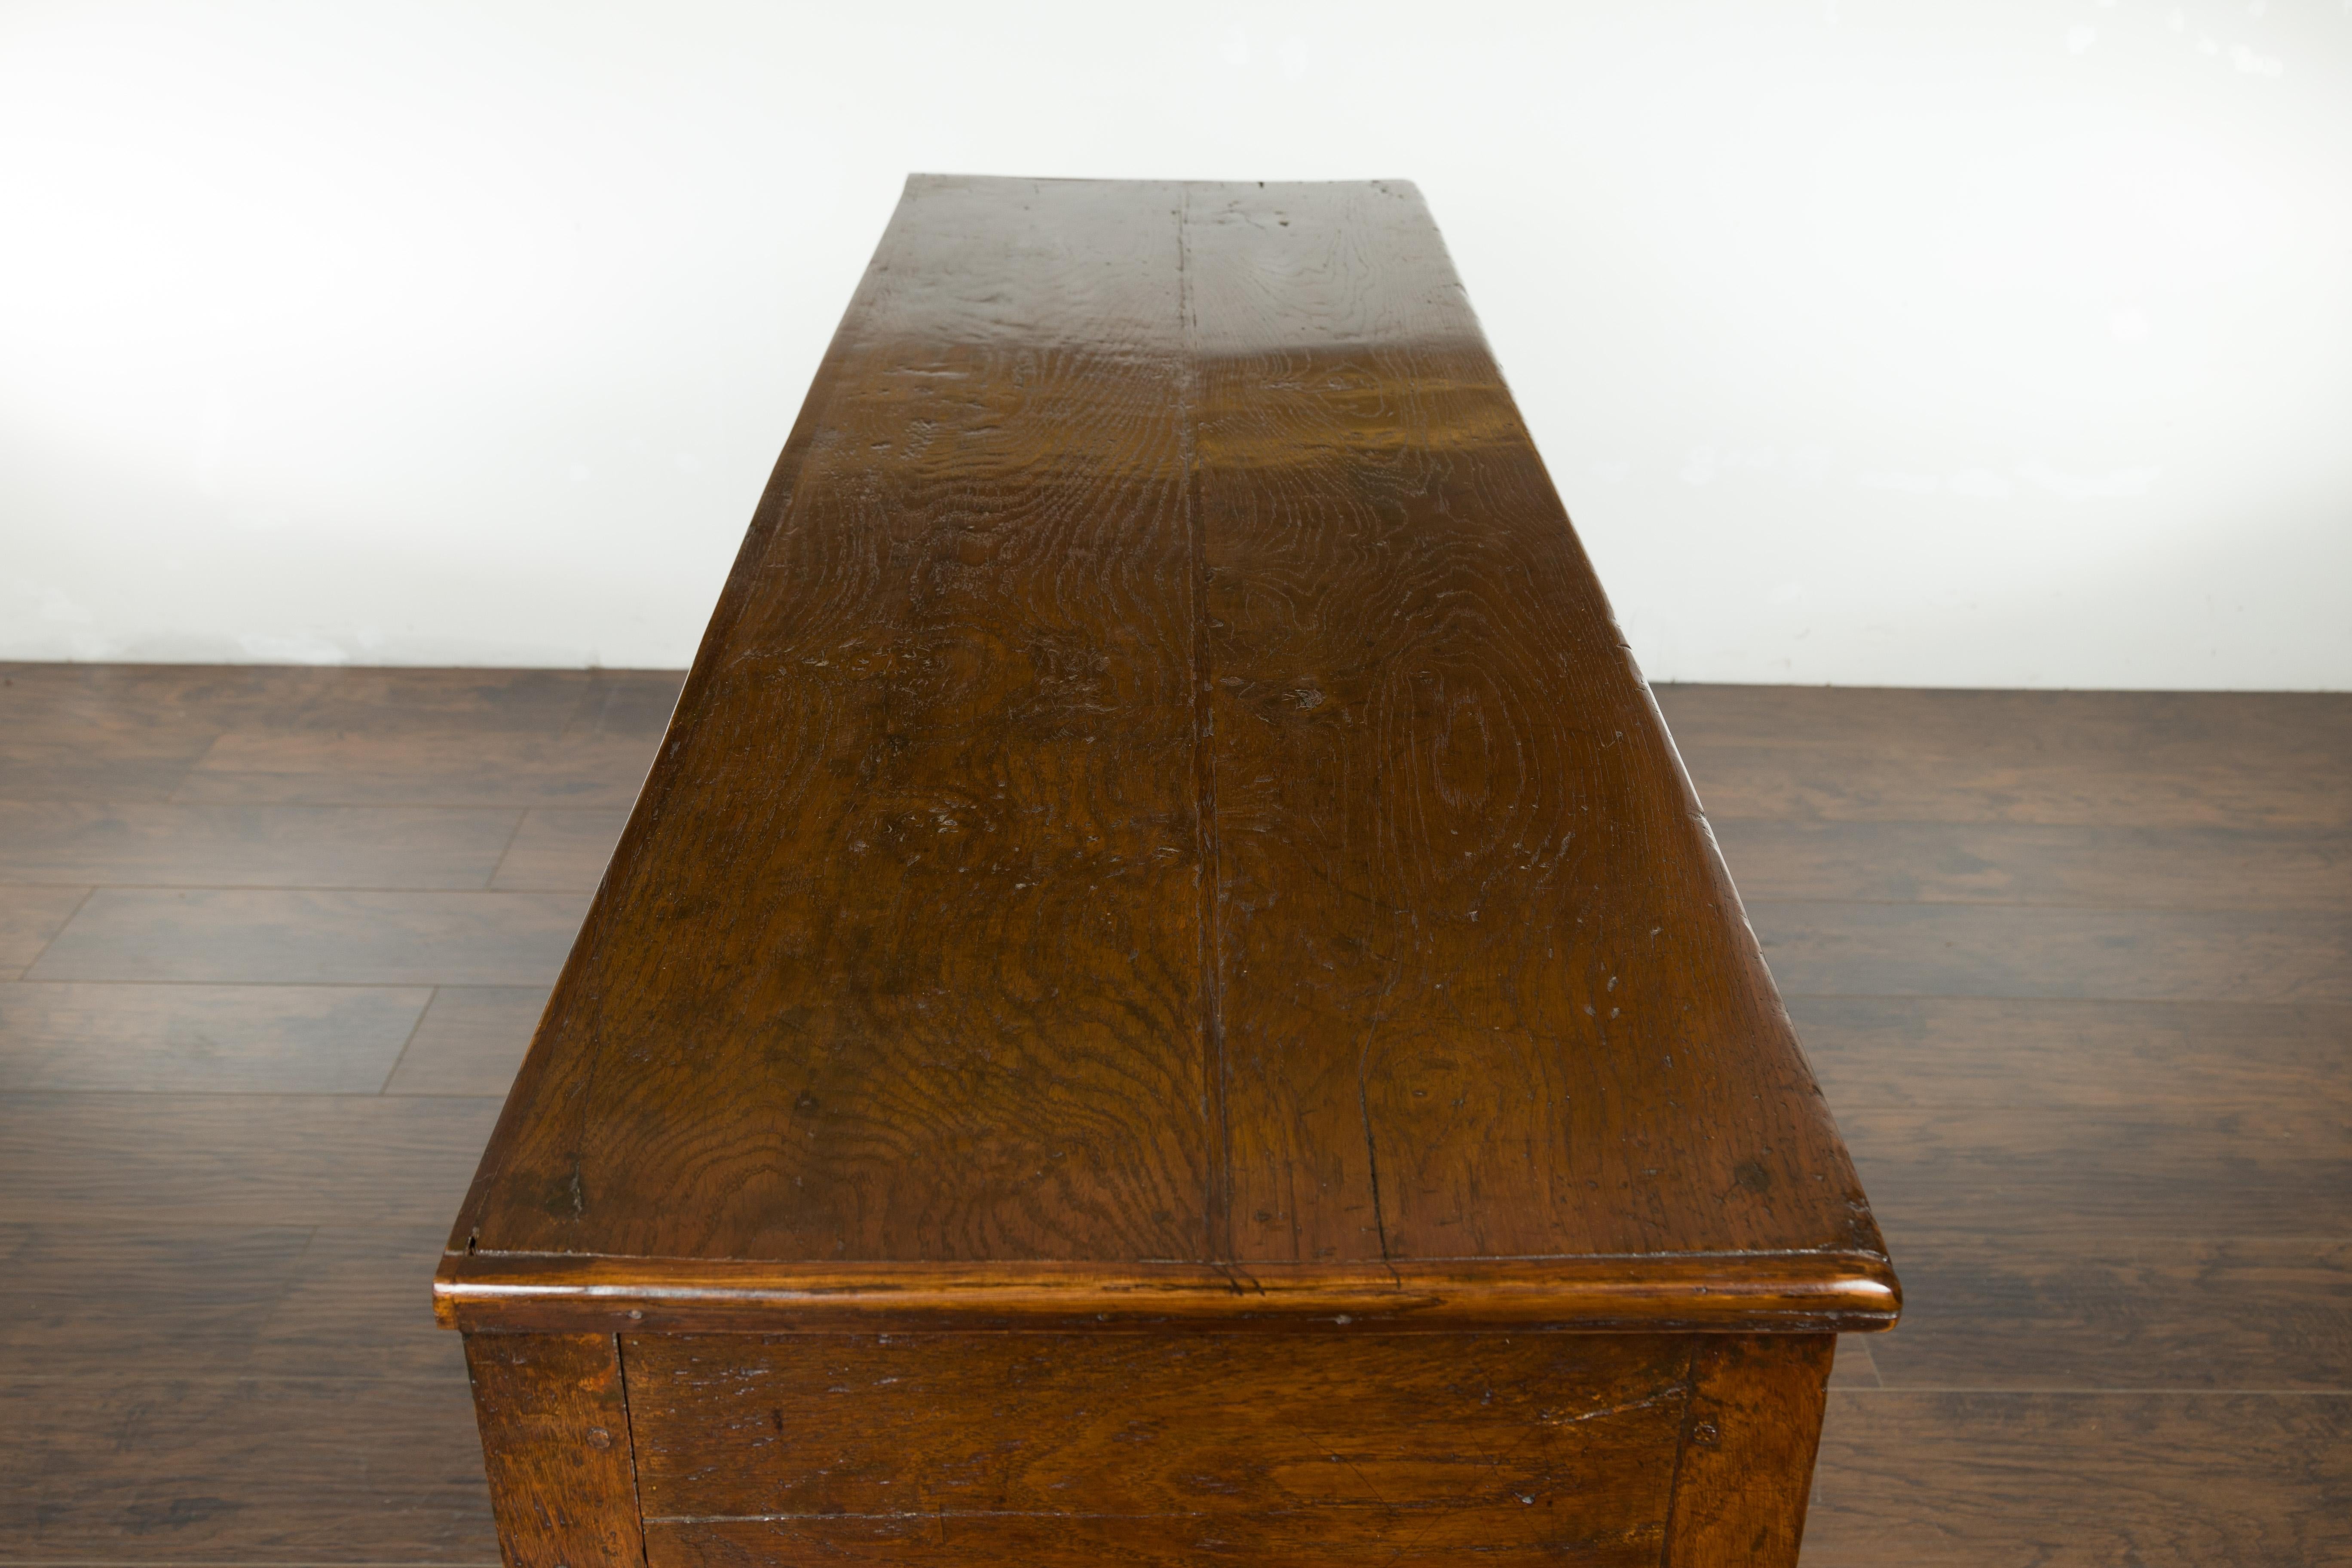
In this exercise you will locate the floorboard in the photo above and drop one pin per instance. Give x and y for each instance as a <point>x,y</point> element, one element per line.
<point>2290,727</point>
<point>1863,781</point>
<point>1972,1479</point>
<point>2109,1311</point>
<point>2072,968</point>
<point>29,919</point>
<point>470,1040</point>
<point>315,937</point>
<point>219,1040</point>
<point>2118,955</point>
<point>186,1296</point>
<point>1966,1052</point>
<point>2271,1171</point>
<point>240,1159</point>
<point>561,850</point>
<point>118,844</point>
<point>142,1468</point>
<point>314,1301</point>
<point>455,767</point>
<point>2267,869</point>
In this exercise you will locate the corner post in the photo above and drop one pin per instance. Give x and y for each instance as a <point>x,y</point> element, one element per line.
<point>1746,1469</point>
<point>554,1421</point>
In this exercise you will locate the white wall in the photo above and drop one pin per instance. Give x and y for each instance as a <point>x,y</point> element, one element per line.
<point>1953,343</point>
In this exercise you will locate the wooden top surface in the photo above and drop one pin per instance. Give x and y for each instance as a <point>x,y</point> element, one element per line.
<point>1163,822</point>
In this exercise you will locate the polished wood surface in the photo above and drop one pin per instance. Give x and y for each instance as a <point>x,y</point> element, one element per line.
<point>1525,1448</point>
<point>1154,1449</point>
<point>1750,1428</point>
<point>1482,988</point>
<point>1163,875</point>
<point>215,1354</point>
<point>1792,1294</point>
<point>555,1436</point>
<point>1162,797</point>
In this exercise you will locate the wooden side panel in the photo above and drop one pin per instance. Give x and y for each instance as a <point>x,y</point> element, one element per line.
<point>1755,1420</point>
<point>1530,1443</point>
<point>1486,990</point>
<point>555,1436</point>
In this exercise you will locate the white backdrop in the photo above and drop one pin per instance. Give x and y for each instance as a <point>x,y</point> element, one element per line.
<point>1938,342</point>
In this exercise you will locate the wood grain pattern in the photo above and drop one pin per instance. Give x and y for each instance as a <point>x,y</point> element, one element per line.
<point>85,732</point>
<point>90,842</point>
<point>555,1433</point>
<point>1163,838</point>
<point>1162,787</point>
<point>300,937</point>
<point>120,712</point>
<point>1319,1540</point>
<point>2278,1171</point>
<point>459,767</point>
<point>325,700</point>
<point>2121,1313</point>
<point>1865,784</point>
<point>1486,990</point>
<point>2085,867</point>
<point>263,1039</point>
<point>79,1294</point>
<point>551,1292</point>
<point>219,1300</point>
<point>2169,1481</point>
<point>959,642</point>
<point>1749,1429</point>
<point>617,702</point>
<point>560,849</point>
<point>1854,1367</point>
<point>2149,760</point>
<point>158,1467</point>
<point>1551,1440</point>
<point>350,1309</point>
<point>30,917</point>
<point>470,1041</point>
<point>246,1159</point>
<point>2124,955</point>
<point>79,732</point>
<point>1947,1052</point>
<point>2133,735</point>
<point>260,1460</point>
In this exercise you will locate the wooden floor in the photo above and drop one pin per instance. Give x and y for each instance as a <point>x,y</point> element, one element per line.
<point>2076,970</point>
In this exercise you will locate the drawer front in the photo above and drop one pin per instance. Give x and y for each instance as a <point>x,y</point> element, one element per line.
<point>1044,1448</point>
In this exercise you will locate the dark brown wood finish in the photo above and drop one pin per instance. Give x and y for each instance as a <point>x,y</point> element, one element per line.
<point>556,1436</point>
<point>1483,987</point>
<point>287,937</point>
<point>1166,977</point>
<point>164,1464</point>
<point>1749,1429</point>
<point>312,1040</point>
<point>1093,1447</point>
<point>930,989</point>
<point>1959,1480</point>
<point>1538,1445</point>
<point>1162,798</point>
<point>215,1354</point>
<point>469,1041</point>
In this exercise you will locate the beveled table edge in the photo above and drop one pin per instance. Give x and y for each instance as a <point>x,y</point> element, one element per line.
<point>1794,1292</point>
